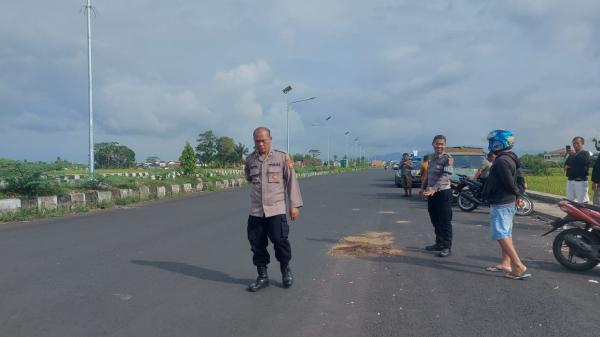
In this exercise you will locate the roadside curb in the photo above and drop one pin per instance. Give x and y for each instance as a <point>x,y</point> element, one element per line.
<point>544,216</point>
<point>547,198</point>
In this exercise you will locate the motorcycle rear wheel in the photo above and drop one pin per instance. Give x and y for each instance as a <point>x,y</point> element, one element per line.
<point>525,207</point>
<point>464,203</point>
<point>570,261</point>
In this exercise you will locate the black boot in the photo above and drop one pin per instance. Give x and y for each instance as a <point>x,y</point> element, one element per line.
<point>262,281</point>
<point>287,277</point>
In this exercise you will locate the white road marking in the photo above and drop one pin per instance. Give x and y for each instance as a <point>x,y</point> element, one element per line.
<point>124,297</point>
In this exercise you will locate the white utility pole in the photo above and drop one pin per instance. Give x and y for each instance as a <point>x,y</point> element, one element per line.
<point>88,9</point>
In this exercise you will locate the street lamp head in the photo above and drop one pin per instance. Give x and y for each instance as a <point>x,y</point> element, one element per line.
<point>328,118</point>
<point>287,89</point>
<point>346,133</point>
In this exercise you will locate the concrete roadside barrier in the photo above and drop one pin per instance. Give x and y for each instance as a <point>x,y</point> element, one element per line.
<point>159,191</point>
<point>144,192</point>
<point>103,197</point>
<point>77,199</point>
<point>47,203</point>
<point>10,205</point>
<point>173,189</point>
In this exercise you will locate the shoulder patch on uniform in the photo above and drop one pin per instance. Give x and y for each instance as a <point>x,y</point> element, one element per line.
<point>275,150</point>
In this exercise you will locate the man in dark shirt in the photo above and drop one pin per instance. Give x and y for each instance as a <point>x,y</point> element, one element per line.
<point>596,181</point>
<point>577,166</point>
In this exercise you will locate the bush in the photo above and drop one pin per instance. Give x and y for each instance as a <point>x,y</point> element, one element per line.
<point>29,181</point>
<point>95,183</point>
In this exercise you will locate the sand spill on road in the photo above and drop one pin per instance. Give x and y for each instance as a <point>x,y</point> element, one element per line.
<point>368,244</point>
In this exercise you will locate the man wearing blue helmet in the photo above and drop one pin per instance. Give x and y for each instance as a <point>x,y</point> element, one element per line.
<point>502,189</point>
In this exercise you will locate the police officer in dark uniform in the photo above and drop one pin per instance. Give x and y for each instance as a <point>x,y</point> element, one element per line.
<point>271,177</point>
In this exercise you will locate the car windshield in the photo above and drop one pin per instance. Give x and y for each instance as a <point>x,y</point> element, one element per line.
<point>467,161</point>
<point>416,162</point>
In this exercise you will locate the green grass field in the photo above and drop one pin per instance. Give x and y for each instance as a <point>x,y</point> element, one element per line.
<point>554,184</point>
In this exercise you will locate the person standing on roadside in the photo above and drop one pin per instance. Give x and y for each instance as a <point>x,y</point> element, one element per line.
<point>405,174</point>
<point>577,166</point>
<point>484,170</point>
<point>502,189</point>
<point>596,181</point>
<point>436,188</point>
<point>271,176</point>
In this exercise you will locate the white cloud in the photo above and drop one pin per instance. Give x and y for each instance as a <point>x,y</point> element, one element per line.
<point>392,72</point>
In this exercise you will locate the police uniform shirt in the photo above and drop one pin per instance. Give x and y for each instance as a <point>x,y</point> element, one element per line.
<point>270,179</point>
<point>439,171</point>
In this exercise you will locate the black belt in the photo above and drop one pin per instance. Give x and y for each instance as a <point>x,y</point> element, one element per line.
<point>578,179</point>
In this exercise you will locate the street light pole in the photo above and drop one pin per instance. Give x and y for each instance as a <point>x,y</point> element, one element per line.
<point>328,142</point>
<point>346,148</point>
<point>88,9</point>
<point>288,118</point>
<point>285,91</point>
<point>355,148</point>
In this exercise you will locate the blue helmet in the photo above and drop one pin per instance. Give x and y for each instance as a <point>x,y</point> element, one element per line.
<point>500,140</point>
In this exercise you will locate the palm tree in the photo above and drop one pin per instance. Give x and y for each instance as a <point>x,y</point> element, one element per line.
<point>240,151</point>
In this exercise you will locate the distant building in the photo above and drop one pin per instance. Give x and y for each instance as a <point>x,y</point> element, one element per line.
<point>556,155</point>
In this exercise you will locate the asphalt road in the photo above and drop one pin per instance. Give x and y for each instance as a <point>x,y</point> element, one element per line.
<point>180,268</point>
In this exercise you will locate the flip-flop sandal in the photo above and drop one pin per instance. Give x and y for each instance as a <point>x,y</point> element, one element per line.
<point>495,269</point>
<point>517,277</point>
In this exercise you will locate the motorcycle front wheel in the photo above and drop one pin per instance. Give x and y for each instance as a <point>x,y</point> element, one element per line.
<point>525,206</point>
<point>566,256</point>
<point>464,203</point>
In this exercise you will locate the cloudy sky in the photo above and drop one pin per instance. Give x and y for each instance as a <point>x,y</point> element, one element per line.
<point>393,73</point>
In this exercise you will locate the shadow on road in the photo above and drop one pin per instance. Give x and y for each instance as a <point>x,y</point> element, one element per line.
<point>326,240</point>
<point>435,263</point>
<point>532,264</point>
<point>398,195</point>
<point>387,185</point>
<point>193,271</point>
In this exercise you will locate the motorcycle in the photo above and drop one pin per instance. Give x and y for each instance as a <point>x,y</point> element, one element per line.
<point>577,247</point>
<point>470,197</point>
<point>456,187</point>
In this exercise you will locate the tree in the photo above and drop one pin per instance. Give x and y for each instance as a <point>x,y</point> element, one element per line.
<point>314,153</point>
<point>113,155</point>
<point>207,147</point>
<point>187,160</point>
<point>241,151</point>
<point>225,151</point>
<point>154,159</point>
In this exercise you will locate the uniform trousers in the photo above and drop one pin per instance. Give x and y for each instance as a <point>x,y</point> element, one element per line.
<point>439,206</point>
<point>263,229</point>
